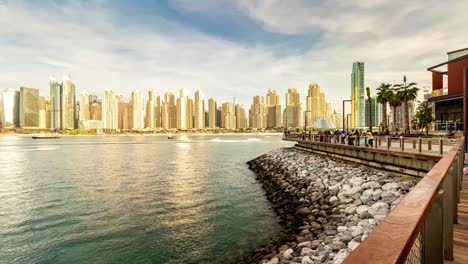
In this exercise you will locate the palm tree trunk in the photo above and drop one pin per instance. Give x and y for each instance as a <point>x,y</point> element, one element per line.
<point>406,116</point>
<point>427,129</point>
<point>384,112</point>
<point>394,117</point>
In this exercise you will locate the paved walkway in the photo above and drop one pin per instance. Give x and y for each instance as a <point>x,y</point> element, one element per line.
<point>460,230</point>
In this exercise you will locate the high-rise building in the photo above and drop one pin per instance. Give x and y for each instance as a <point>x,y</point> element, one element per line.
<point>125,122</point>
<point>9,109</point>
<point>29,107</point>
<point>85,106</point>
<point>207,118</point>
<point>357,96</point>
<point>68,104</point>
<point>184,110</point>
<point>199,110</point>
<point>274,109</point>
<point>376,110</point>
<point>150,118</point>
<point>92,99</point>
<point>229,115</point>
<point>168,112</point>
<point>157,110</point>
<point>212,111</point>
<point>400,115</point>
<point>110,110</point>
<point>55,104</point>
<point>44,112</point>
<point>258,117</point>
<point>241,117</point>
<point>315,104</point>
<point>96,111</point>
<point>337,119</point>
<point>292,116</point>
<point>219,117</point>
<point>137,107</point>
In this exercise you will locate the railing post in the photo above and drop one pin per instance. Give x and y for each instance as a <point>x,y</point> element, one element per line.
<point>419,144</point>
<point>402,143</point>
<point>433,242</point>
<point>448,213</point>
<point>429,145</point>
<point>380,141</point>
<point>375,141</point>
<point>414,143</point>
<point>388,142</point>
<point>441,146</point>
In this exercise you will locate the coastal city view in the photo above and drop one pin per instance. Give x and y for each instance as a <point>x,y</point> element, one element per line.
<point>270,132</point>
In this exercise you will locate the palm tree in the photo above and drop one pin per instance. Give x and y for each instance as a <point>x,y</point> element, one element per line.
<point>394,102</point>
<point>425,115</point>
<point>408,92</point>
<point>384,93</point>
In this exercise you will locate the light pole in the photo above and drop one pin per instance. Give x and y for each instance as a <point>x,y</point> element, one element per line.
<point>370,109</point>
<point>344,115</point>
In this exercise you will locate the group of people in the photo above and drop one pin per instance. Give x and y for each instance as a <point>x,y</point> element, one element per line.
<point>354,137</point>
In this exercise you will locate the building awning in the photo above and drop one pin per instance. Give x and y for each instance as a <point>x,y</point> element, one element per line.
<point>434,68</point>
<point>447,97</point>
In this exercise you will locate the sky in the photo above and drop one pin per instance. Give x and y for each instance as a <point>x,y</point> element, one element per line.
<point>226,48</point>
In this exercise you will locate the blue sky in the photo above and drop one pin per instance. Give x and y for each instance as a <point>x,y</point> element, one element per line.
<point>225,48</point>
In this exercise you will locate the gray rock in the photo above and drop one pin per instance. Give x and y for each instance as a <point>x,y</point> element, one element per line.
<point>341,228</point>
<point>352,245</point>
<point>379,208</point>
<point>306,260</point>
<point>288,253</point>
<point>333,200</point>
<point>273,261</point>
<point>306,251</point>
<point>304,211</point>
<point>390,186</point>
<point>305,244</point>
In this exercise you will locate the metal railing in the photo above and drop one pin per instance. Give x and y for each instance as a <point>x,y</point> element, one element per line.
<point>435,146</point>
<point>420,228</point>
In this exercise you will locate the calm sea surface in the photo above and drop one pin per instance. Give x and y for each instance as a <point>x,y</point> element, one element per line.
<point>132,199</point>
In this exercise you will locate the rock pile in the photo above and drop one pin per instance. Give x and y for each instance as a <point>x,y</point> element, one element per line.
<point>326,206</point>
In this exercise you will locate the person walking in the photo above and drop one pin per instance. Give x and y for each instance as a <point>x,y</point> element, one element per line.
<point>370,138</point>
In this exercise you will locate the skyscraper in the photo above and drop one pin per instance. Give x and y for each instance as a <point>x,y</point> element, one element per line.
<point>125,122</point>
<point>293,111</point>
<point>150,119</point>
<point>10,109</point>
<point>376,110</point>
<point>84,106</point>
<point>219,117</point>
<point>314,104</point>
<point>168,112</point>
<point>44,113</point>
<point>184,111</point>
<point>212,111</point>
<point>357,96</point>
<point>68,104</point>
<point>199,110</point>
<point>229,115</point>
<point>29,107</point>
<point>241,117</point>
<point>96,111</point>
<point>109,110</point>
<point>337,119</point>
<point>55,103</point>
<point>258,113</point>
<point>274,109</point>
<point>137,107</point>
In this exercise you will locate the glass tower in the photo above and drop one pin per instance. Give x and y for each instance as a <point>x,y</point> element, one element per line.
<point>358,96</point>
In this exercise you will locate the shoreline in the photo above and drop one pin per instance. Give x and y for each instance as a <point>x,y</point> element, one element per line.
<point>149,135</point>
<point>325,206</point>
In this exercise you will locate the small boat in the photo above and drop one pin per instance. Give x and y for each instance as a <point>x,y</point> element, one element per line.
<point>170,137</point>
<point>46,137</point>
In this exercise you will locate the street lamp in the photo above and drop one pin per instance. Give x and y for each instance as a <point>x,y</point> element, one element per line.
<point>344,115</point>
<point>370,108</point>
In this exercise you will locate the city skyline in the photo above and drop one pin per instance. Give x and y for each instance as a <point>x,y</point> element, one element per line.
<point>187,45</point>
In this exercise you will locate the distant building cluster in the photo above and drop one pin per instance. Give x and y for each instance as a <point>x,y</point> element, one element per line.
<point>62,110</point>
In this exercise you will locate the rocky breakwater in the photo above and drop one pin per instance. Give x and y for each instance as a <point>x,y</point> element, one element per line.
<point>326,206</point>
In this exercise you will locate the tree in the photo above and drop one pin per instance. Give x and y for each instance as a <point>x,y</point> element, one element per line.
<point>384,94</point>
<point>408,92</point>
<point>394,102</point>
<point>424,115</point>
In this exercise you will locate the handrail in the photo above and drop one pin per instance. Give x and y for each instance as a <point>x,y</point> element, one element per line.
<point>392,240</point>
